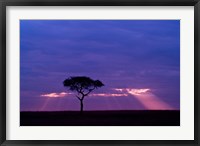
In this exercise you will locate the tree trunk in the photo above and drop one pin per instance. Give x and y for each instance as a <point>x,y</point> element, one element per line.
<point>81,106</point>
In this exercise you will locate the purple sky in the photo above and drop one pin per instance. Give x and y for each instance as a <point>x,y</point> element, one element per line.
<point>137,60</point>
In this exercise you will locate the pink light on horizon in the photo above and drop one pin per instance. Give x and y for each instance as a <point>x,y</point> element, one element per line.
<point>110,94</point>
<point>132,90</point>
<point>137,91</point>
<point>53,95</point>
<point>147,99</point>
<point>64,94</point>
<point>145,96</point>
<point>152,102</point>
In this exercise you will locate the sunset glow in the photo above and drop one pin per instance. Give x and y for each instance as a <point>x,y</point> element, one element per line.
<point>144,96</point>
<point>152,102</point>
<point>133,91</point>
<point>109,94</point>
<point>62,94</point>
<point>147,99</point>
<point>65,94</point>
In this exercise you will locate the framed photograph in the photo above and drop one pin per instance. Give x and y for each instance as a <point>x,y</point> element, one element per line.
<point>99,72</point>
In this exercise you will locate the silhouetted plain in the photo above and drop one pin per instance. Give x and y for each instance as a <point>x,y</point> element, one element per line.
<point>102,118</point>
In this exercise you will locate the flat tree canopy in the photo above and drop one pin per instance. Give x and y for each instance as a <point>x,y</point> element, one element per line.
<point>82,83</point>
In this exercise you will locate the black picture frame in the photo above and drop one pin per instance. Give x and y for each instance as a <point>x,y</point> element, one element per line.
<point>5,3</point>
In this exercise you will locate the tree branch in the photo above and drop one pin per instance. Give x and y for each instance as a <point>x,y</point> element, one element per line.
<point>90,90</point>
<point>78,97</point>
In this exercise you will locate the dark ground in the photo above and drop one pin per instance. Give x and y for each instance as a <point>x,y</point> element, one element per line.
<point>101,118</point>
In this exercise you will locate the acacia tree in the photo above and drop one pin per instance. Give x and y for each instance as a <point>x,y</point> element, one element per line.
<point>83,86</point>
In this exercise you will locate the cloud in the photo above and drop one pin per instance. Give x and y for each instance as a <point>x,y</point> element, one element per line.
<point>65,94</point>
<point>61,94</point>
<point>110,94</point>
<point>134,91</point>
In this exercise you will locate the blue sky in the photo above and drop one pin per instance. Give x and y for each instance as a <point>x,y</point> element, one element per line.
<point>124,54</point>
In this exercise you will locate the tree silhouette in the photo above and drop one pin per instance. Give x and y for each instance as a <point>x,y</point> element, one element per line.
<point>83,86</point>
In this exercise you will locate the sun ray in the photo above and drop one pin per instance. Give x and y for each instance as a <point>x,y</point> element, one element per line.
<point>45,104</point>
<point>107,104</point>
<point>147,99</point>
<point>152,102</point>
